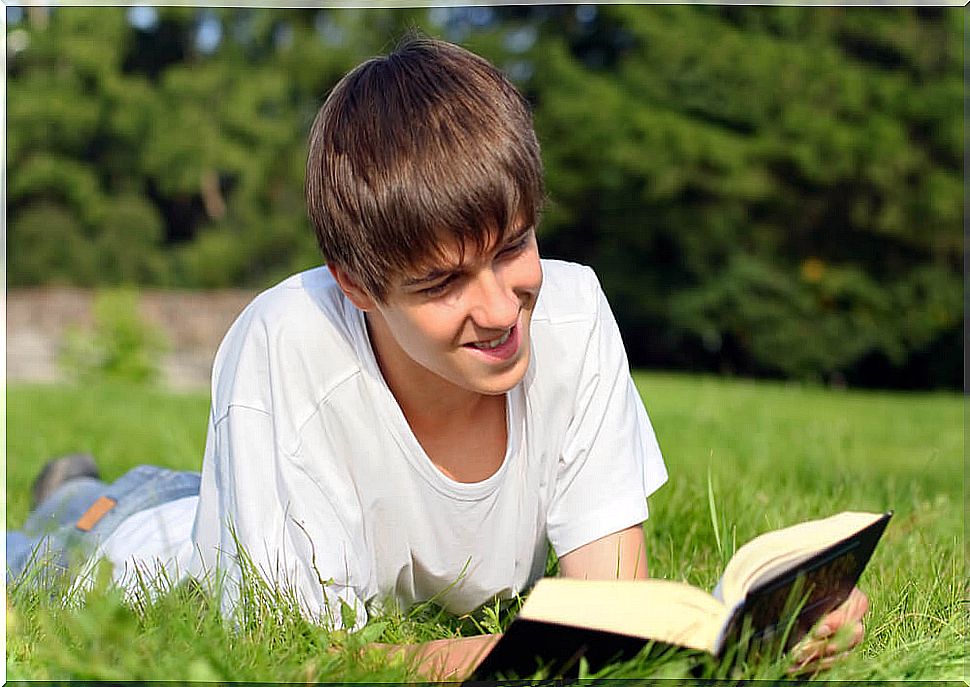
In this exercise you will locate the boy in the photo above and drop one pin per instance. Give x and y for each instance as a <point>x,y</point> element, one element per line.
<point>426,414</point>
<point>418,418</point>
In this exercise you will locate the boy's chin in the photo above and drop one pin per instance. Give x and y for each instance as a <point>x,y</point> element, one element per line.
<point>504,382</point>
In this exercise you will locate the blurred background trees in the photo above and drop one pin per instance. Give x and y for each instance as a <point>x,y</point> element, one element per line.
<point>772,191</point>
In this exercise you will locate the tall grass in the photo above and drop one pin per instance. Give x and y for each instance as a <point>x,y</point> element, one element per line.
<point>743,457</point>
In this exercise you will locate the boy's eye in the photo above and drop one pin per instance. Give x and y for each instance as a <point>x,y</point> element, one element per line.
<point>515,247</point>
<point>448,282</point>
<point>438,288</point>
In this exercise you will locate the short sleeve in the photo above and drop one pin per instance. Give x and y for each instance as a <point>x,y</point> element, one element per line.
<point>610,461</point>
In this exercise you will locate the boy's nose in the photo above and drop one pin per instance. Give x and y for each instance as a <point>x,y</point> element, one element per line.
<point>496,306</point>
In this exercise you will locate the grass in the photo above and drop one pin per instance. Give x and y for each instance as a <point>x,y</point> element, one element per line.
<point>776,454</point>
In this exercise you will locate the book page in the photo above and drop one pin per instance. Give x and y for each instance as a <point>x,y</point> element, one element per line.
<point>659,610</point>
<point>772,553</point>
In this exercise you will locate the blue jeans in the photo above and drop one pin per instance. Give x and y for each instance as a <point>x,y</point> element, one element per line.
<point>51,534</point>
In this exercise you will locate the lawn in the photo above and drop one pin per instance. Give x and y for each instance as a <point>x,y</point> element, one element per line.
<point>773,454</point>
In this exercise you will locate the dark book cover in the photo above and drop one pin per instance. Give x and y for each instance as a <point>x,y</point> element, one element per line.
<point>791,602</point>
<point>798,598</point>
<point>530,645</point>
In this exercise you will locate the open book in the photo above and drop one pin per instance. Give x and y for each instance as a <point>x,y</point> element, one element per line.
<point>781,581</point>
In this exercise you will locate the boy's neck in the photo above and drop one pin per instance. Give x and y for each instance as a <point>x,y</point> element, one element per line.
<point>424,397</point>
<point>464,433</point>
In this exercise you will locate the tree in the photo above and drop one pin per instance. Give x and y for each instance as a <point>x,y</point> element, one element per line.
<point>766,190</point>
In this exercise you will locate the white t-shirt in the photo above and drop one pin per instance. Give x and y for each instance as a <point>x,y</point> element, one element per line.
<point>312,468</point>
<point>152,542</point>
<point>148,550</point>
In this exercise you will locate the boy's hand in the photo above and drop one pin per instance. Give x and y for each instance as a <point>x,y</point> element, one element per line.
<point>833,636</point>
<point>450,659</point>
<point>453,659</point>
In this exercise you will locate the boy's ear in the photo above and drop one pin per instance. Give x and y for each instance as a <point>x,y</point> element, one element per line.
<point>354,291</point>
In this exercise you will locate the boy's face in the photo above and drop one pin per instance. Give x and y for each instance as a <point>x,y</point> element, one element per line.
<point>466,323</point>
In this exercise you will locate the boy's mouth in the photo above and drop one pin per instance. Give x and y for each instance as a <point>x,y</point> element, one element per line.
<point>500,348</point>
<point>494,343</point>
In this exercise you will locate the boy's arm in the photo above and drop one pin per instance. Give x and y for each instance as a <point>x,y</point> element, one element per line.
<point>618,556</point>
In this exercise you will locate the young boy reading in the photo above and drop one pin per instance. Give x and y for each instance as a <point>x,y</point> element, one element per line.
<point>422,417</point>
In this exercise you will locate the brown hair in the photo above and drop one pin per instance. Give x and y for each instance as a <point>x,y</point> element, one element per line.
<point>428,143</point>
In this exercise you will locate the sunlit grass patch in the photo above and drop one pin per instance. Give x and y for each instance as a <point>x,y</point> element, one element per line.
<point>772,455</point>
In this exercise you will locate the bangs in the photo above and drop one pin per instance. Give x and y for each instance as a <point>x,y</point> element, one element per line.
<point>416,152</point>
<point>460,206</point>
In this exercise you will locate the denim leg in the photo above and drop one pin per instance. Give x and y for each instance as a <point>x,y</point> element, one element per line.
<point>68,503</point>
<point>50,534</point>
<point>20,548</point>
<point>45,534</point>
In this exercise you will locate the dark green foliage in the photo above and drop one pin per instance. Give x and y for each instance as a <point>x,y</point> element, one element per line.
<point>766,190</point>
<point>763,190</point>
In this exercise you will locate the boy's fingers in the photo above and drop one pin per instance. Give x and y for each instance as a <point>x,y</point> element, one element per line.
<point>830,661</point>
<point>858,604</point>
<point>858,633</point>
<point>847,639</point>
<point>851,610</point>
<point>815,664</point>
<point>816,655</point>
<point>808,651</point>
<point>833,637</point>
